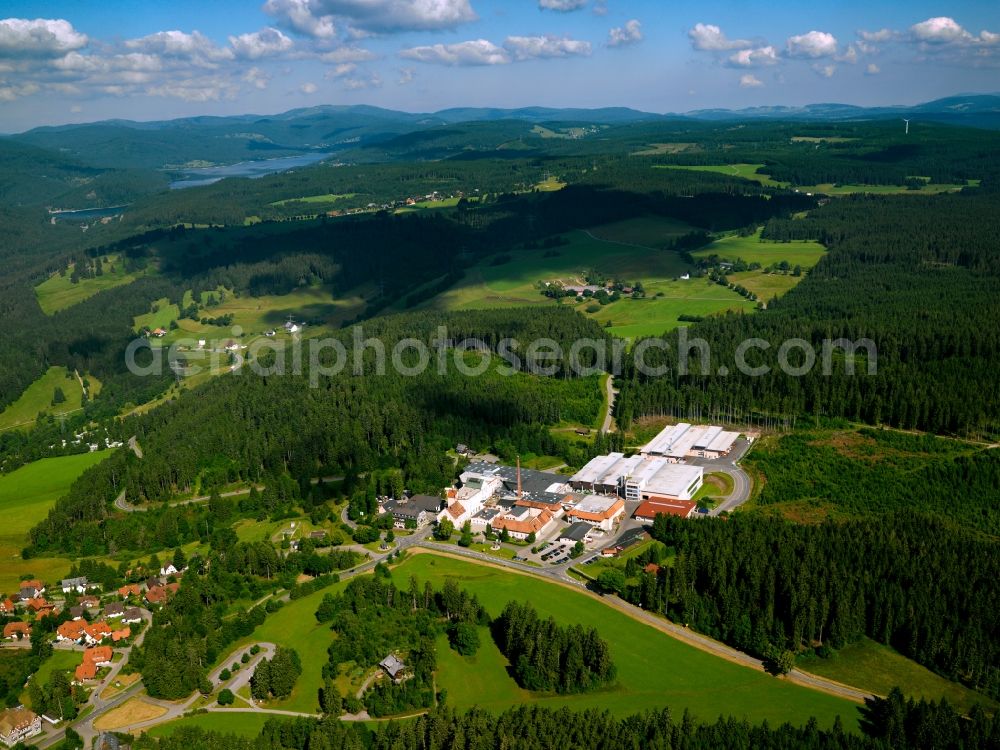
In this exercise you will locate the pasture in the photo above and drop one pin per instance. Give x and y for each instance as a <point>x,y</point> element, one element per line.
<point>653,669</point>
<point>26,495</point>
<point>57,292</point>
<point>628,250</point>
<point>37,398</point>
<point>752,249</point>
<point>238,723</point>
<point>877,668</point>
<point>746,171</point>
<point>315,199</point>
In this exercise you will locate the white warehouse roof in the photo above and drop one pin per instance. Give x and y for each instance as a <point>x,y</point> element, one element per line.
<point>672,480</point>
<point>681,440</point>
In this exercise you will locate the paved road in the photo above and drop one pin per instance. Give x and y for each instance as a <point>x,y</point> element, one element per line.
<point>610,392</point>
<point>133,445</point>
<point>742,484</point>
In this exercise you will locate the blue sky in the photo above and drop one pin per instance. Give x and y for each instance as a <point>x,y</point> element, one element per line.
<point>79,60</point>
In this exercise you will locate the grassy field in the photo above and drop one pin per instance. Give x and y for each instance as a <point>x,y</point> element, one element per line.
<point>805,254</point>
<point>37,398</point>
<point>59,661</point>
<point>653,669</point>
<point>877,668</point>
<point>746,171</point>
<point>25,497</point>
<point>254,315</point>
<point>624,250</point>
<point>327,198</point>
<point>242,724</point>
<point>132,711</point>
<point>58,292</point>
<point>831,189</point>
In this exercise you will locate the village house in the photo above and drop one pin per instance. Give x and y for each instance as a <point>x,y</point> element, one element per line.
<point>393,667</point>
<point>577,532</point>
<point>76,612</point>
<point>17,725</point>
<point>7,606</point>
<point>89,602</point>
<point>79,585</point>
<point>16,630</point>
<point>159,593</point>
<point>93,659</point>
<point>31,588</point>
<point>40,607</point>
<point>96,632</point>
<point>168,570</point>
<point>132,616</point>
<point>121,635</point>
<point>129,590</point>
<point>71,630</point>
<point>114,609</point>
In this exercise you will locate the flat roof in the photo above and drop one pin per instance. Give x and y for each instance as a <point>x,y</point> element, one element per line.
<point>577,531</point>
<point>651,508</point>
<point>595,504</point>
<point>677,441</point>
<point>664,441</point>
<point>672,479</point>
<point>723,441</point>
<point>596,468</point>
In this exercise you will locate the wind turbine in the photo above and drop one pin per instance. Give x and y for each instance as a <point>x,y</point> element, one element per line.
<point>907,126</point>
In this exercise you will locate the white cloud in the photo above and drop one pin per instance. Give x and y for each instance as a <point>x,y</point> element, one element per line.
<point>267,42</point>
<point>257,78</point>
<point>316,17</point>
<point>339,71</point>
<point>563,6</point>
<point>940,30</point>
<point>710,37</point>
<point>536,47</point>
<point>474,52</point>
<point>42,37</point>
<point>812,45</point>
<point>195,47</point>
<point>753,58</point>
<point>850,55</point>
<point>630,33</point>
<point>308,88</point>
<point>406,75</point>
<point>600,8</point>
<point>370,81</point>
<point>882,35</point>
<point>485,52</point>
<point>750,81</point>
<point>826,71</point>
<point>872,70</point>
<point>348,54</point>
<point>297,16</point>
<point>198,89</point>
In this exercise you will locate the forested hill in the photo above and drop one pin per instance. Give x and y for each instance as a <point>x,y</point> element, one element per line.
<point>918,276</point>
<point>252,428</point>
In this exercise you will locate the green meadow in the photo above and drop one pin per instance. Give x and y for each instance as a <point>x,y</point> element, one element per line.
<point>238,723</point>
<point>877,668</point>
<point>26,495</point>
<point>654,669</point>
<point>629,250</point>
<point>746,171</point>
<point>58,292</point>
<point>314,199</point>
<point>752,249</point>
<point>37,398</point>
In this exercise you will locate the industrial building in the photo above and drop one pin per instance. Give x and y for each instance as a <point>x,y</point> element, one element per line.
<point>680,441</point>
<point>599,511</point>
<point>638,477</point>
<point>649,510</point>
<point>543,490</point>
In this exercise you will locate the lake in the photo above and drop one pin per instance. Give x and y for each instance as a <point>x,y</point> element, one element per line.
<point>253,169</point>
<point>85,214</point>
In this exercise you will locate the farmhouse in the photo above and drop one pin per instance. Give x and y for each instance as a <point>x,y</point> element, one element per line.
<point>419,509</point>
<point>577,532</point>
<point>16,630</point>
<point>597,510</point>
<point>393,667</point>
<point>676,442</point>
<point>638,477</point>
<point>648,510</point>
<point>17,725</point>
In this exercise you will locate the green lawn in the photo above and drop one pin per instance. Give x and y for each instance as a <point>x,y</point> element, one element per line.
<point>25,498</point>
<point>58,292</point>
<point>37,398</point>
<point>877,668</point>
<point>515,283</point>
<point>653,669</point>
<point>59,661</point>
<point>242,724</point>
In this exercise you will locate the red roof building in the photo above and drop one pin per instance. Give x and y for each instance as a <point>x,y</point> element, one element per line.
<point>16,630</point>
<point>650,509</point>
